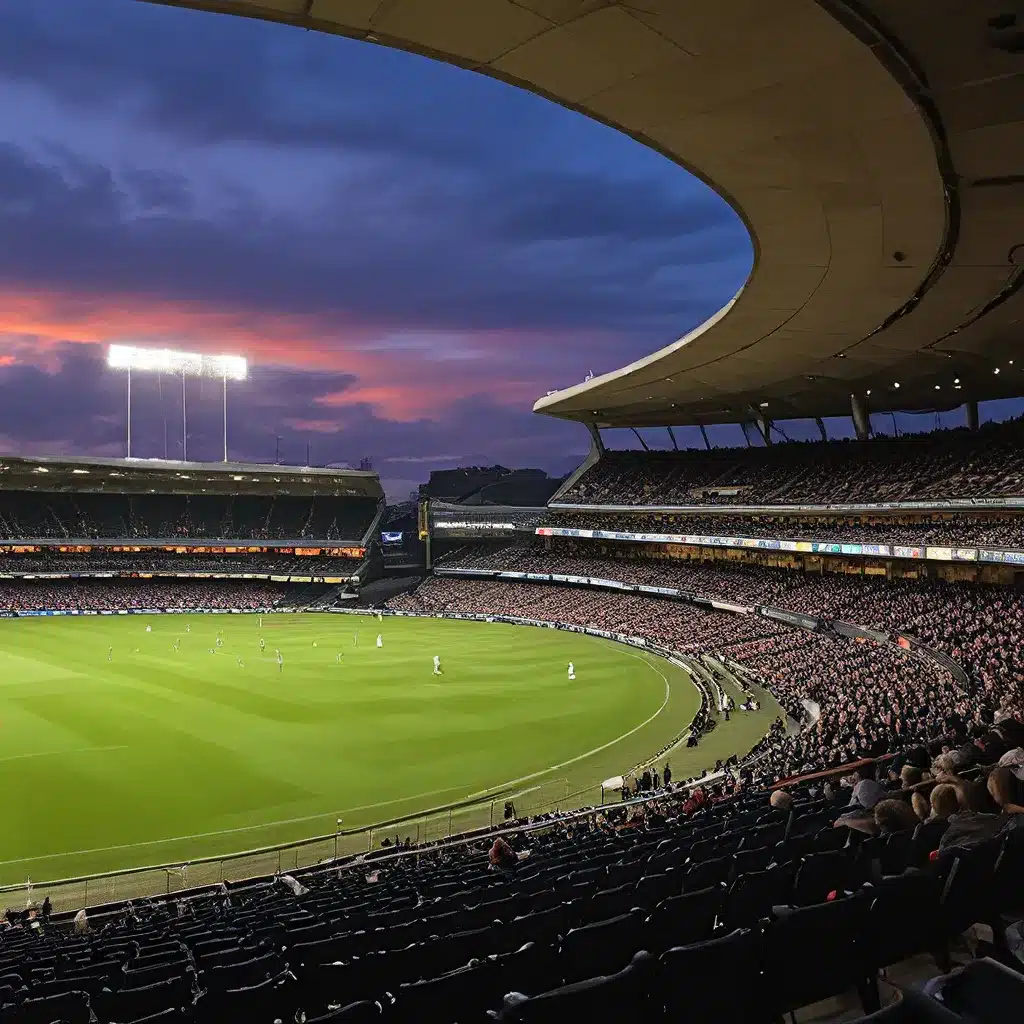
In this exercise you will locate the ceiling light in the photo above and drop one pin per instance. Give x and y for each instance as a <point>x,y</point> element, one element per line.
<point>895,383</point>
<point>764,405</point>
<point>996,370</point>
<point>938,387</point>
<point>1010,361</point>
<point>868,392</point>
<point>956,380</point>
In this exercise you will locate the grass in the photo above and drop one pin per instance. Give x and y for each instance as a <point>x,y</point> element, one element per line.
<point>163,756</point>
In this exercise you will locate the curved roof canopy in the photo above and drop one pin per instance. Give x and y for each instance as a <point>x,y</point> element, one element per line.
<point>874,148</point>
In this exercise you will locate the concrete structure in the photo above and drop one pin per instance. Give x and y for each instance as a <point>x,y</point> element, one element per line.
<point>874,149</point>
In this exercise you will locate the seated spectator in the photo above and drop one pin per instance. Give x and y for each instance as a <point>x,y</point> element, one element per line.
<point>502,857</point>
<point>945,802</point>
<point>894,816</point>
<point>781,800</point>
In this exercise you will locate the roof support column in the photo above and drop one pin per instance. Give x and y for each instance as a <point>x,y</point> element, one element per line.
<point>704,434</point>
<point>745,427</point>
<point>763,424</point>
<point>672,437</point>
<point>861,417</point>
<point>640,439</point>
<point>972,415</point>
<point>595,437</point>
<point>821,428</point>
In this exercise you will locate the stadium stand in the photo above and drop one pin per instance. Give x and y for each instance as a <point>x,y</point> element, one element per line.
<point>78,499</point>
<point>962,530</point>
<point>113,595</point>
<point>910,837</point>
<point>108,559</point>
<point>946,464</point>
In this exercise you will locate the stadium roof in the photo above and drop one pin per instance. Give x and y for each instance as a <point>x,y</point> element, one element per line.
<point>874,148</point>
<point>50,473</point>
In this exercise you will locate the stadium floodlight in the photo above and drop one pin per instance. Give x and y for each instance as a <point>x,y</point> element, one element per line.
<point>188,364</point>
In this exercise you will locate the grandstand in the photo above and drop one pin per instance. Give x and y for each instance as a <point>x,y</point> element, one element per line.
<point>830,827</point>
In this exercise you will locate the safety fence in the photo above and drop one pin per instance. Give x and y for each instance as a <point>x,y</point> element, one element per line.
<point>430,827</point>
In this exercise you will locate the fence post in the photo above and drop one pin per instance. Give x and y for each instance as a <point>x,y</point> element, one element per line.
<point>85,898</point>
<point>449,823</point>
<point>369,842</point>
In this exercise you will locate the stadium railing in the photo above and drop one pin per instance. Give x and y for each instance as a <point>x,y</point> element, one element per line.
<point>106,893</point>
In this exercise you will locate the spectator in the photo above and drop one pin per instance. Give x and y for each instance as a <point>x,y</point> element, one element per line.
<point>894,816</point>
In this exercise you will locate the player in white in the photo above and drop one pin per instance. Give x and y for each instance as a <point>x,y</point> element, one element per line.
<point>263,645</point>
<point>380,640</point>
<point>280,662</point>
<point>238,661</point>
<point>314,643</point>
<point>220,640</point>
<point>572,671</point>
<point>339,658</point>
<point>177,642</point>
<point>380,616</point>
<point>188,628</point>
<point>437,666</point>
<point>149,629</point>
<point>110,654</point>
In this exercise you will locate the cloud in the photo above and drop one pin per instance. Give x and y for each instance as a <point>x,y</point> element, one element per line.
<point>409,253</point>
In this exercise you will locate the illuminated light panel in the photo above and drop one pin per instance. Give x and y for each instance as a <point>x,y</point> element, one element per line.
<point>166,360</point>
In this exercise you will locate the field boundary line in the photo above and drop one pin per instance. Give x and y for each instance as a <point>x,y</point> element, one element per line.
<point>597,750</point>
<point>62,753</point>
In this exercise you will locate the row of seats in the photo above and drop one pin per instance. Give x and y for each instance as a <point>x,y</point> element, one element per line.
<point>620,925</point>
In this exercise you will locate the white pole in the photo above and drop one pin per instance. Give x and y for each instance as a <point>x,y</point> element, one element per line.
<point>225,383</point>
<point>129,412</point>
<point>184,421</point>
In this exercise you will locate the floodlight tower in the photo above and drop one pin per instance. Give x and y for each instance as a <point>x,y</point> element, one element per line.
<point>188,364</point>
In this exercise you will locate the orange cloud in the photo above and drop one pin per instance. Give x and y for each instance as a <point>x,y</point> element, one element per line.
<point>399,382</point>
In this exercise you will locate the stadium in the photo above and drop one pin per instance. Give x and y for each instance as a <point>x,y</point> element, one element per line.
<point>715,734</point>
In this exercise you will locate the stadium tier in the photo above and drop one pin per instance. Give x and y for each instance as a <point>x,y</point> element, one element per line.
<point>986,465</point>
<point>992,530</point>
<point>79,499</point>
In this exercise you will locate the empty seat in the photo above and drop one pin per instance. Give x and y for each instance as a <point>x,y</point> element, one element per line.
<point>695,982</point>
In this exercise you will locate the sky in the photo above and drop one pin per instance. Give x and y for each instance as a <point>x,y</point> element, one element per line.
<point>408,253</point>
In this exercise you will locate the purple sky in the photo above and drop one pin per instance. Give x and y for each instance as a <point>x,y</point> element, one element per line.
<point>409,253</point>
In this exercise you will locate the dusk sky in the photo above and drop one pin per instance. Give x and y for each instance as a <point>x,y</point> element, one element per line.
<point>409,254</point>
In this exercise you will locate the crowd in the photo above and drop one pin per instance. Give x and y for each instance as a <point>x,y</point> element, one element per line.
<point>112,595</point>
<point>672,624</point>
<point>869,699</point>
<point>86,515</point>
<point>979,626</point>
<point>944,464</point>
<point>739,583</point>
<point>107,560</point>
<point>998,531</point>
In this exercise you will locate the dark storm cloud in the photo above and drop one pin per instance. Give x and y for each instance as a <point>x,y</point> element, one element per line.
<point>69,226</point>
<point>212,80</point>
<point>558,205</point>
<point>158,190</point>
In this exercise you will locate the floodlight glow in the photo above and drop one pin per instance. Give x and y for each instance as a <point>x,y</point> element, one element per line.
<point>165,360</point>
<point>187,364</point>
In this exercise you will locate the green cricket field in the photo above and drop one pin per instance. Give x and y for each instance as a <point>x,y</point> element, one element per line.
<point>123,746</point>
